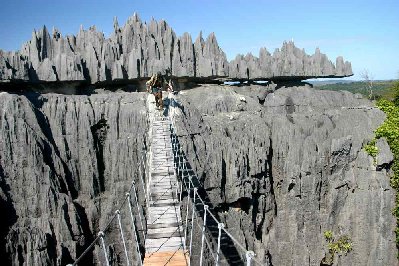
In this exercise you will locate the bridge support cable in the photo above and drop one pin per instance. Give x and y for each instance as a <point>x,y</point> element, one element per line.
<point>138,208</point>
<point>192,220</point>
<point>220,227</point>
<point>118,215</point>
<point>134,228</point>
<point>249,256</point>
<point>101,234</point>
<point>142,165</point>
<point>203,235</point>
<point>187,209</point>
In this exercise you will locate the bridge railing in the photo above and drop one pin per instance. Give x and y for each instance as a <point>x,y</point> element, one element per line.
<point>213,232</point>
<point>130,199</point>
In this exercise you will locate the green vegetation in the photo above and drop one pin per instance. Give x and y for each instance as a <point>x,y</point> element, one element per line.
<point>328,235</point>
<point>340,246</point>
<point>387,93</point>
<point>381,89</point>
<point>389,130</point>
<point>371,149</point>
<point>395,92</point>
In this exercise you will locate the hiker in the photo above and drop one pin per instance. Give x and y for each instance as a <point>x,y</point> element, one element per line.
<point>155,85</point>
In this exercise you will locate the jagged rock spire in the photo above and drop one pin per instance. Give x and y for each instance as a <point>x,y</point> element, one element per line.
<point>116,24</point>
<point>138,50</point>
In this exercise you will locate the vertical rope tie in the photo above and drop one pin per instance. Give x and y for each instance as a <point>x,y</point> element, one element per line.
<point>101,235</point>
<point>174,150</point>
<point>184,168</point>
<point>134,228</point>
<point>192,220</point>
<point>141,176</point>
<point>138,206</point>
<point>181,182</point>
<point>118,215</point>
<point>174,147</point>
<point>177,172</point>
<point>203,234</point>
<point>187,208</point>
<point>178,156</point>
<point>220,227</point>
<point>249,255</point>
<point>144,165</point>
<point>178,162</point>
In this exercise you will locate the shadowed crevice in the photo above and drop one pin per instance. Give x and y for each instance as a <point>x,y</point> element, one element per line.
<point>99,132</point>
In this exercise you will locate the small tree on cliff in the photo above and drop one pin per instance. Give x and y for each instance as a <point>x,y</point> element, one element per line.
<point>396,92</point>
<point>368,77</point>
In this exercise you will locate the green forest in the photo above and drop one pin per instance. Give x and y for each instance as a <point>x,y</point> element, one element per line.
<point>380,89</point>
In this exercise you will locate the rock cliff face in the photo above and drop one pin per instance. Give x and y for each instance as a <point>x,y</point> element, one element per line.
<point>62,173</point>
<point>279,170</point>
<point>281,173</point>
<point>137,50</point>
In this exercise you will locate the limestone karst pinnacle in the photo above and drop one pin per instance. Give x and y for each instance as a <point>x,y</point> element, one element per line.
<point>139,49</point>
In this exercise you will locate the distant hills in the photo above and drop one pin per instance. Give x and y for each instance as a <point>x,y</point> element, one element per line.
<point>336,81</point>
<point>381,88</point>
<point>330,81</point>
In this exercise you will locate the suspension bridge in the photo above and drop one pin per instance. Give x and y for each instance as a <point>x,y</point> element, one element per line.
<point>176,210</point>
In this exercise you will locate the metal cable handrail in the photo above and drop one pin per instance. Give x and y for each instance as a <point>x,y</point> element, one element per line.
<point>250,255</point>
<point>101,233</point>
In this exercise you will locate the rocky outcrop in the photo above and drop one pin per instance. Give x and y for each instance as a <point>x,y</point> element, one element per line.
<point>281,173</point>
<point>288,63</point>
<point>133,51</point>
<point>65,163</point>
<point>210,60</point>
<point>137,50</point>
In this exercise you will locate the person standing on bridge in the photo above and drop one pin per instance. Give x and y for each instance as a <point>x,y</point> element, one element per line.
<point>155,86</point>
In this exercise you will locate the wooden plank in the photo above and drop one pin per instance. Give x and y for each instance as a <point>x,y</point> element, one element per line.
<point>165,204</point>
<point>167,230</point>
<point>176,258</point>
<point>164,241</point>
<point>164,212</point>
<point>163,225</point>
<point>163,235</point>
<point>165,218</point>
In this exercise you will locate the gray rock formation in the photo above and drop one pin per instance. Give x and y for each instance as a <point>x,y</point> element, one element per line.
<point>138,50</point>
<point>278,174</point>
<point>133,51</point>
<point>281,173</point>
<point>62,173</point>
<point>288,63</point>
<point>210,59</point>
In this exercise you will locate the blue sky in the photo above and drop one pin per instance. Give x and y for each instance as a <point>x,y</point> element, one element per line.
<point>365,32</point>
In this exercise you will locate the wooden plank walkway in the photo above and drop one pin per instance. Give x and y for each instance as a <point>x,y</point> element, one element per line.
<point>164,243</point>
